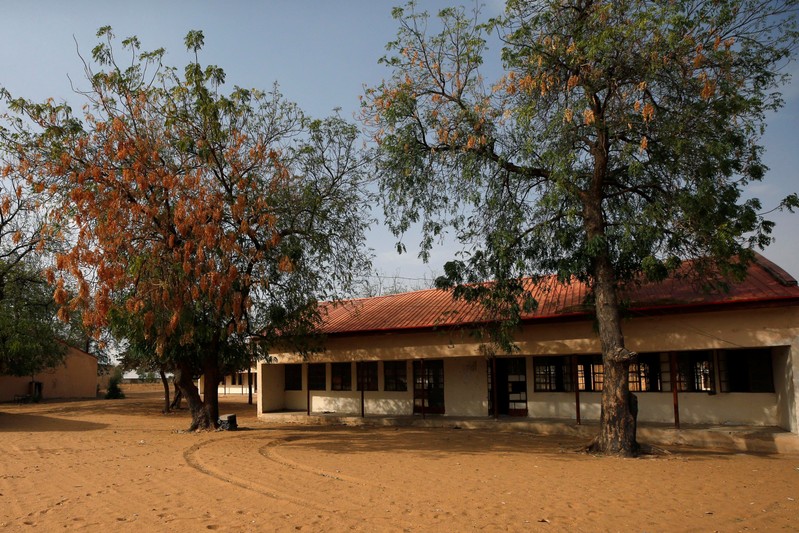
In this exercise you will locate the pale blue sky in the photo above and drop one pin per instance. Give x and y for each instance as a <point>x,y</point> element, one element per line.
<point>321,53</point>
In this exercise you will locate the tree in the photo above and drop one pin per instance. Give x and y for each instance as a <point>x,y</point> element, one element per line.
<point>617,143</point>
<point>29,332</point>
<point>207,217</point>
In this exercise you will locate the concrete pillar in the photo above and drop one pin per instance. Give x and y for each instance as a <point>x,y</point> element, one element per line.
<point>792,386</point>
<point>786,385</point>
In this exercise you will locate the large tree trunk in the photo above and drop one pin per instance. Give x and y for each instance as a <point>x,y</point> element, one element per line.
<point>165,383</point>
<point>211,379</point>
<point>200,418</point>
<point>617,424</point>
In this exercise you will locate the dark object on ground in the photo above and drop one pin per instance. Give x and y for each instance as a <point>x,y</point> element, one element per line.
<point>228,422</point>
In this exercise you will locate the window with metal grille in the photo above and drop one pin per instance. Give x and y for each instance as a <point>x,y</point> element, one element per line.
<point>590,373</point>
<point>341,376</point>
<point>317,376</point>
<point>367,375</point>
<point>395,376</point>
<point>551,374</point>
<point>695,371</point>
<point>644,375</point>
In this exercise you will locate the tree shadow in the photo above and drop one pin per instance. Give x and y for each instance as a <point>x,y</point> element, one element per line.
<point>430,442</point>
<point>34,423</point>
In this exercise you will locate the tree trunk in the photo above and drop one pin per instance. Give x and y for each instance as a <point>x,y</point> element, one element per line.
<point>211,379</point>
<point>200,418</point>
<point>165,383</point>
<point>178,396</point>
<point>617,424</point>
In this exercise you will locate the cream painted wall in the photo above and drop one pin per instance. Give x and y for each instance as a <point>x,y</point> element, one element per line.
<point>786,383</point>
<point>75,378</point>
<point>466,386</point>
<point>756,409</point>
<point>695,331</point>
<point>271,394</point>
<point>561,404</point>
<point>391,347</point>
<point>466,379</point>
<point>296,400</point>
<point>339,402</point>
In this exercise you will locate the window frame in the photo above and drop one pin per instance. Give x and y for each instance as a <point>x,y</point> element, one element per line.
<point>645,373</point>
<point>341,376</point>
<point>367,374</point>
<point>695,372</point>
<point>747,370</point>
<point>292,368</point>
<point>395,376</point>
<point>317,372</point>
<point>551,373</point>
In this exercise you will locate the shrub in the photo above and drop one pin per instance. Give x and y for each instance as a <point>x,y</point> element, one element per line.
<point>114,391</point>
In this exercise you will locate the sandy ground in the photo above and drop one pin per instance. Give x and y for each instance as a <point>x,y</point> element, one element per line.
<point>120,465</point>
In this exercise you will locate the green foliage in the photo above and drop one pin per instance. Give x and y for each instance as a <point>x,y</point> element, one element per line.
<point>622,134</point>
<point>205,218</point>
<point>29,330</point>
<point>114,391</point>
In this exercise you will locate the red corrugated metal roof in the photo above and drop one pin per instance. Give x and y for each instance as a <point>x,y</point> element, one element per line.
<point>766,283</point>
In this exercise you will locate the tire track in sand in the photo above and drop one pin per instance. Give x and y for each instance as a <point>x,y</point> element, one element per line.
<point>269,451</point>
<point>226,472</point>
<point>191,456</point>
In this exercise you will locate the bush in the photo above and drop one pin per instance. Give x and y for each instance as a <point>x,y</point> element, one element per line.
<point>114,391</point>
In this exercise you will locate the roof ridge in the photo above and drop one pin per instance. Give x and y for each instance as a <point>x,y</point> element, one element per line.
<point>544,282</point>
<point>775,271</point>
<point>345,301</point>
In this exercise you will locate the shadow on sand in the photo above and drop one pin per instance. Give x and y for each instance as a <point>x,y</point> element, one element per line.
<point>30,423</point>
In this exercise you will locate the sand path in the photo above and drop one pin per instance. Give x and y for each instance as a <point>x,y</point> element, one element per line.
<point>121,465</point>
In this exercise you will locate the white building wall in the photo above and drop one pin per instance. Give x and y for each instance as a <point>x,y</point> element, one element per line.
<point>466,378</point>
<point>271,385</point>
<point>466,386</point>
<point>380,402</point>
<point>786,385</point>
<point>339,402</point>
<point>389,403</point>
<point>734,408</point>
<point>296,400</point>
<point>466,394</point>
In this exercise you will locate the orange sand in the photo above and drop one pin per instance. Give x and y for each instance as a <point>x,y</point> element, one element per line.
<point>120,465</point>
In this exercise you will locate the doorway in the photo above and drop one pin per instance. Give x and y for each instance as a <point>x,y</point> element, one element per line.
<point>428,386</point>
<point>511,383</point>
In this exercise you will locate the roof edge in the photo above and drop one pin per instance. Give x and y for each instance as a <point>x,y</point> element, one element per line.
<point>641,312</point>
<point>775,271</point>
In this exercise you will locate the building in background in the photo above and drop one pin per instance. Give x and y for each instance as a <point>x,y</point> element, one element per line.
<point>76,377</point>
<point>705,358</point>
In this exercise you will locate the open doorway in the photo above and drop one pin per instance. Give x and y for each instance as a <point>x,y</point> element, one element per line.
<point>511,383</point>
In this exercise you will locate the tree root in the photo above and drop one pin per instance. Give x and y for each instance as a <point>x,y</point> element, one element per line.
<point>641,450</point>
